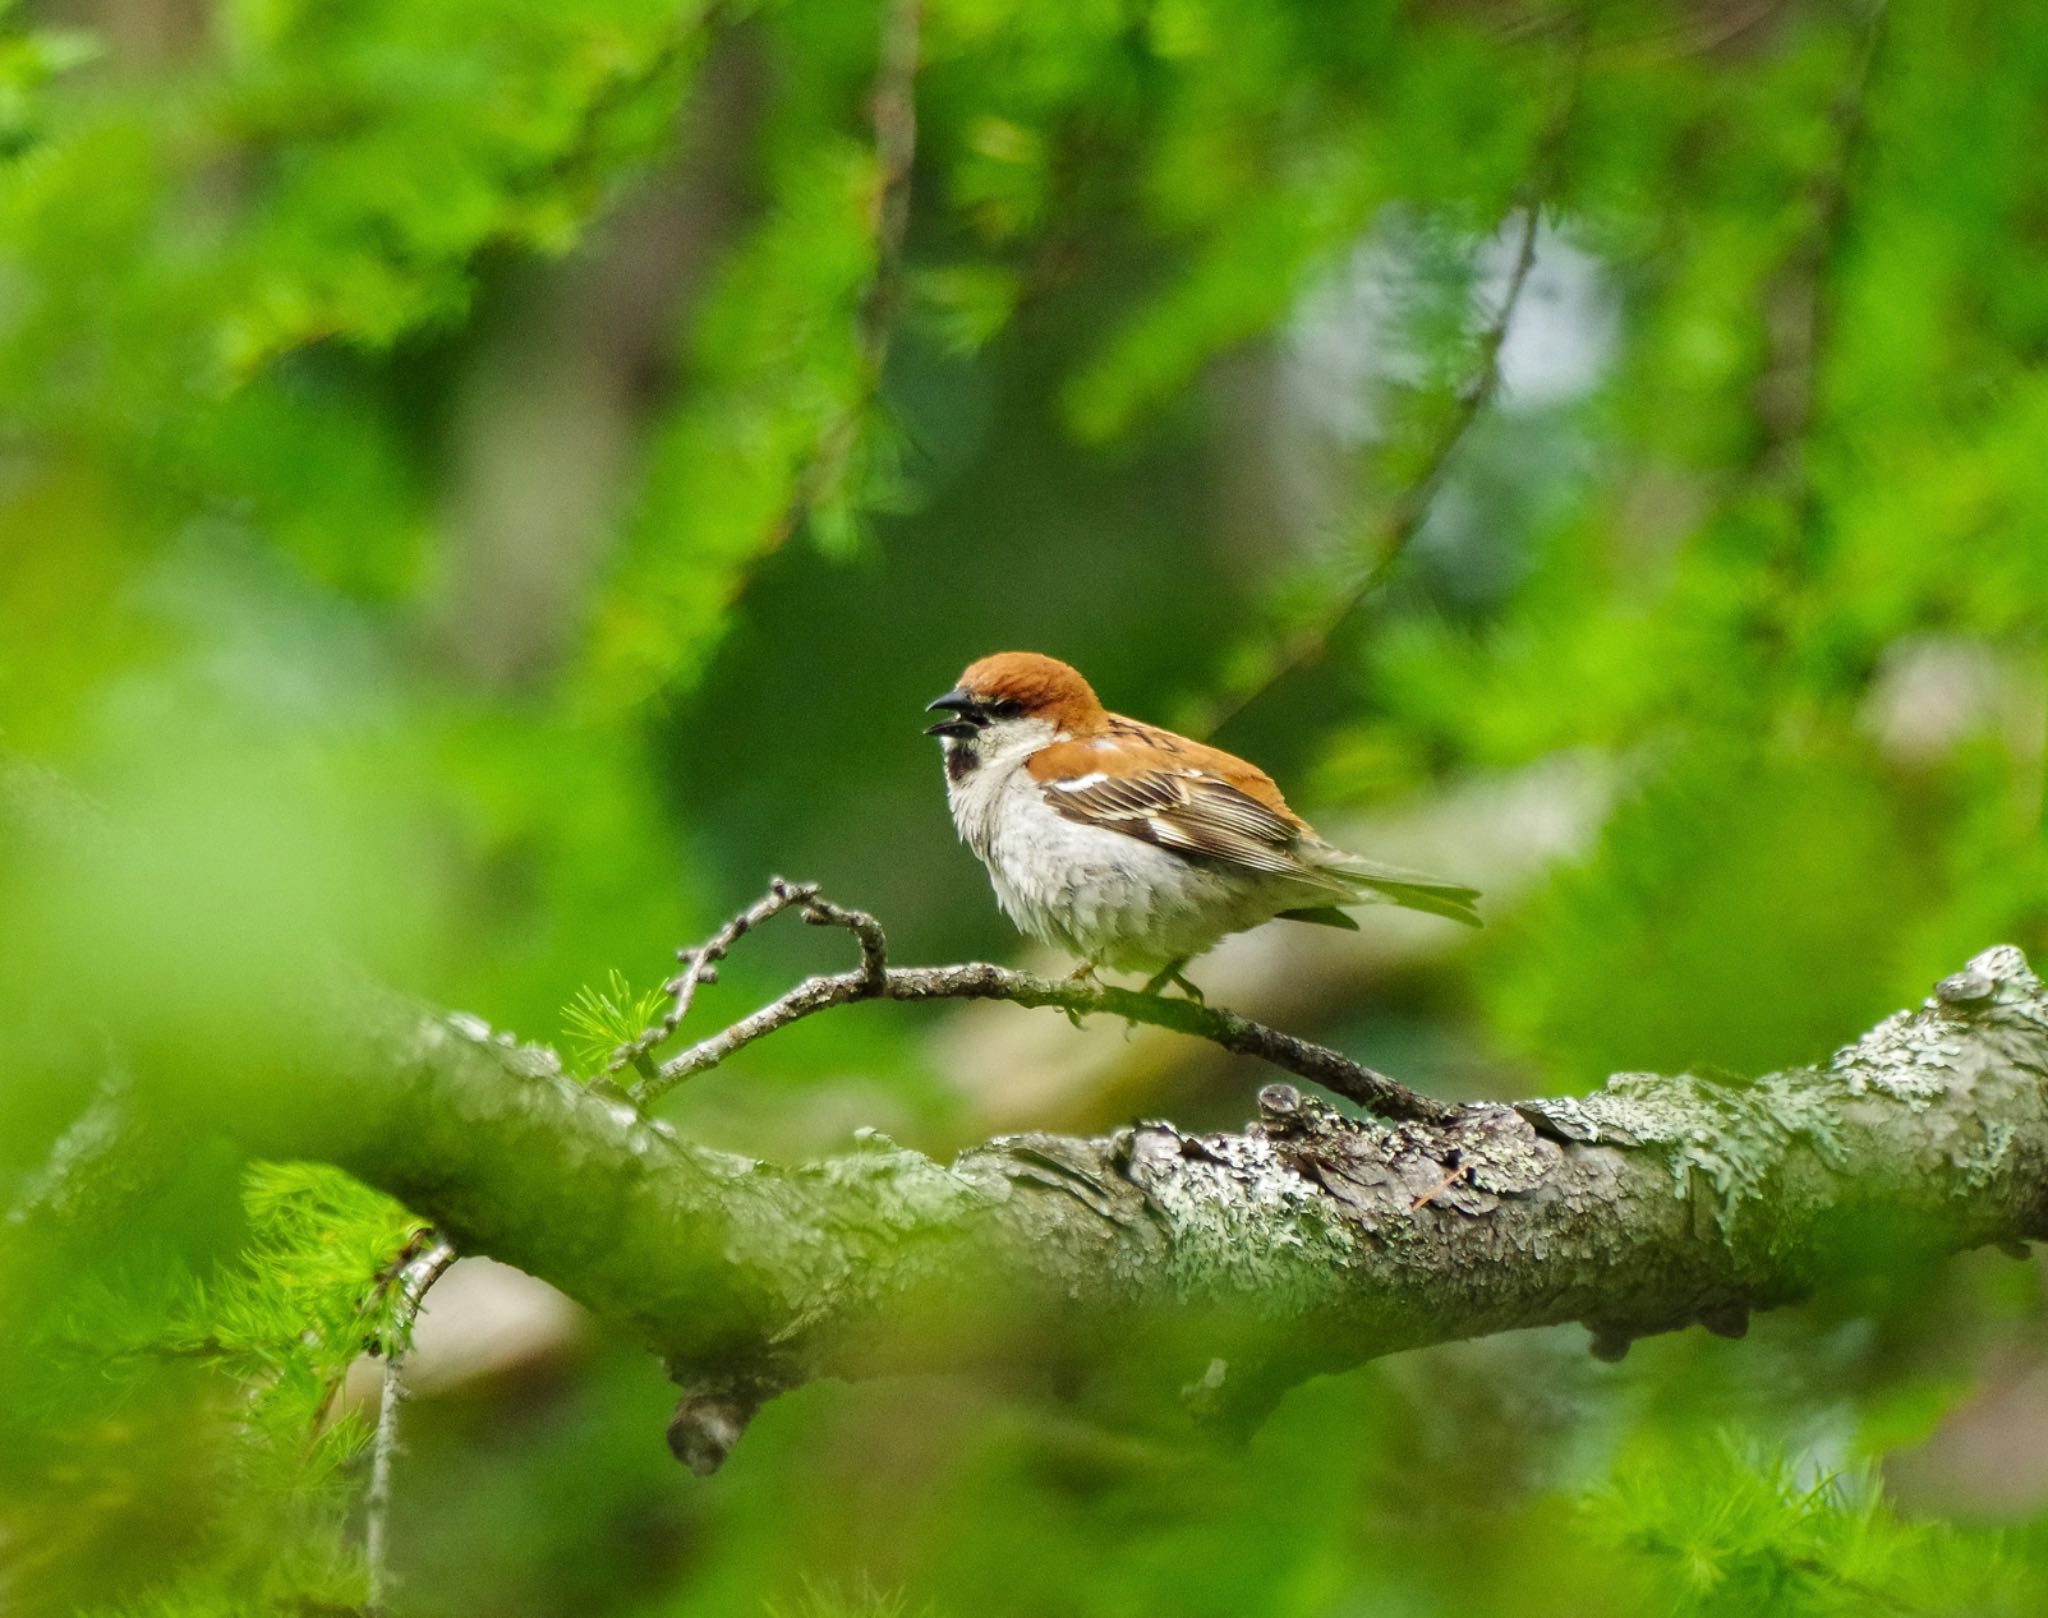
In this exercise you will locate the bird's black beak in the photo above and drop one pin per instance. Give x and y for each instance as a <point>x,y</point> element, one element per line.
<point>957,703</point>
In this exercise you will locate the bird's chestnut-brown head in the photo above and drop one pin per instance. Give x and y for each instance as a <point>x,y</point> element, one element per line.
<point>1011,701</point>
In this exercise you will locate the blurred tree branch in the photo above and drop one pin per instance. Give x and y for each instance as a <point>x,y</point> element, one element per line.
<point>1798,311</point>
<point>1307,1242</point>
<point>893,106</point>
<point>1405,515</point>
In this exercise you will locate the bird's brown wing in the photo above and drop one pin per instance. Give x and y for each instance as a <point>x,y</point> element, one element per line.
<point>1190,812</point>
<point>1205,804</point>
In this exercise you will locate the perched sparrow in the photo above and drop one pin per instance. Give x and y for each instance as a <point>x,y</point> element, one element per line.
<point>1130,846</point>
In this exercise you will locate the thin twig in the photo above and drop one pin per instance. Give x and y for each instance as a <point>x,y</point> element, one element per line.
<point>895,119</point>
<point>700,966</point>
<point>414,1282</point>
<point>894,116</point>
<point>378,1508</point>
<point>874,979</point>
<point>1800,310</point>
<point>1403,520</point>
<point>874,943</point>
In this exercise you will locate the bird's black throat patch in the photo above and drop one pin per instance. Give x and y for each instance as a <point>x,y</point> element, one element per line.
<point>961,762</point>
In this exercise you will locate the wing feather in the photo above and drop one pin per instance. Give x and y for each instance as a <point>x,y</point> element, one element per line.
<point>1206,805</point>
<point>1191,812</point>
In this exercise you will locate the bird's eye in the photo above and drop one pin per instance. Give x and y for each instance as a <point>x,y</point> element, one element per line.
<point>1005,709</point>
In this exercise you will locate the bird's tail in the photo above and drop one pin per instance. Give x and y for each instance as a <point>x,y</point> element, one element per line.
<point>1411,890</point>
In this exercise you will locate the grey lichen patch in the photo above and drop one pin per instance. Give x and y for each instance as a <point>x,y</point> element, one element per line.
<point>1983,1160</point>
<point>1733,1142</point>
<point>1720,1140</point>
<point>1240,1219</point>
<point>1500,1152</point>
<point>2018,996</point>
<point>1629,1110</point>
<point>2006,965</point>
<point>1909,1057</point>
<point>1803,1110</point>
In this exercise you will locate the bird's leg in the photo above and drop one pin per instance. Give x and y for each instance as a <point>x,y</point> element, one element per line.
<point>1171,973</point>
<point>1082,977</point>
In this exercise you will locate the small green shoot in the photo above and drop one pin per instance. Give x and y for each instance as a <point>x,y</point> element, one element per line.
<point>598,1021</point>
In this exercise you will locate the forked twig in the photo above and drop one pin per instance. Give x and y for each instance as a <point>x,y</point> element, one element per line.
<point>700,965</point>
<point>875,979</point>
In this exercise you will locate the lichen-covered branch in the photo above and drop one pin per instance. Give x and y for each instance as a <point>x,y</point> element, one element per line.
<point>1307,1241</point>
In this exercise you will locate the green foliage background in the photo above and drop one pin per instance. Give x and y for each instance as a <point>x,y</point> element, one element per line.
<point>449,517</point>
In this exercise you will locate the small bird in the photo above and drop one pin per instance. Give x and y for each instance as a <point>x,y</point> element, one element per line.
<point>1132,847</point>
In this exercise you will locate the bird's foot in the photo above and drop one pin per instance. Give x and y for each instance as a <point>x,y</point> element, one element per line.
<point>1171,973</point>
<point>1082,977</point>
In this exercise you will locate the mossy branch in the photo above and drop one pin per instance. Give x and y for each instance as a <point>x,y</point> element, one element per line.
<point>1308,1241</point>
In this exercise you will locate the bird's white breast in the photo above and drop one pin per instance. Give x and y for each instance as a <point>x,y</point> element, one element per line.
<point>1103,895</point>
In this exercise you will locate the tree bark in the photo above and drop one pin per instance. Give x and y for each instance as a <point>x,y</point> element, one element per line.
<point>1309,1241</point>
